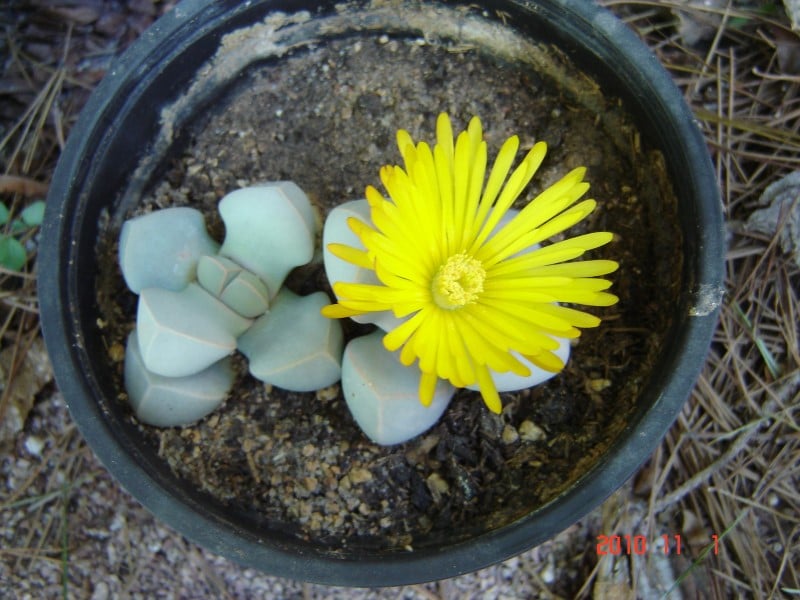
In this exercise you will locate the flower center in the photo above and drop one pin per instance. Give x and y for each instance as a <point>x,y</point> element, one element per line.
<point>458,281</point>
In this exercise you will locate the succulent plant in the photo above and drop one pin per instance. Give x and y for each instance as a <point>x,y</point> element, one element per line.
<point>198,301</point>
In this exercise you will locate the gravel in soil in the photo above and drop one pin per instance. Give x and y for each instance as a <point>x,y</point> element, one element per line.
<point>325,117</point>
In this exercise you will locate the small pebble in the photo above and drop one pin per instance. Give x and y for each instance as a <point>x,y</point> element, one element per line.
<point>101,591</point>
<point>329,393</point>
<point>34,445</point>
<point>116,352</point>
<point>530,432</point>
<point>117,523</point>
<point>312,484</point>
<point>437,486</point>
<point>509,435</point>
<point>360,475</point>
<point>598,385</point>
<point>548,574</point>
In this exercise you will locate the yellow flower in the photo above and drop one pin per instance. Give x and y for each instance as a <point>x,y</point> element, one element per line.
<point>471,293</point>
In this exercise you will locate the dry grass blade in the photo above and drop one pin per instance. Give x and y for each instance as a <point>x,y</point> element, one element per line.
<point>25,186</point>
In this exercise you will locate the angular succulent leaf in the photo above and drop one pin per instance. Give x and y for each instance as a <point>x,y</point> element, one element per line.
<point>214,273</point>
<point>181,333</point>
<point>269,230</point>
<point>173,401</point>
<point>383,395</point>
<point>161,249</point>
<point>247,295</point>
<point>293,346</point>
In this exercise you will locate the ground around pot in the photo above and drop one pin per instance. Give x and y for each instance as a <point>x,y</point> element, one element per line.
<point>728,467</point>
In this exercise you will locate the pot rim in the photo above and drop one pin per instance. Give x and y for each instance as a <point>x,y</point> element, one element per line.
<point>703,274</point>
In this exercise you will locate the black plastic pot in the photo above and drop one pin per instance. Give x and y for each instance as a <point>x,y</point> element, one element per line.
<point>119,129</point>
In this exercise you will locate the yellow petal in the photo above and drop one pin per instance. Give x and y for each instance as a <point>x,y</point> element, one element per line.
<point>514,186</point>
<point>351,255</point>
<point>548,255</point>
<point>337,311</point>
<point>477,170</point>
<point>577,318</point>
<point>427,387</point>
<point>546,360</point>
<point>525,325</point>
<point>490,348</point>
<point>489,390</point>
<point>458,352</point>
<point>584,268</point>
<point>444,136</point>
<point>529,220</point>
<point>445,178</point>
<point>400,334</point>
<point>405,144</point>
<point>497,176</point>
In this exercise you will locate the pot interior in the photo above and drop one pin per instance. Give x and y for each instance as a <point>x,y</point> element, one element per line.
<point>332,84</point>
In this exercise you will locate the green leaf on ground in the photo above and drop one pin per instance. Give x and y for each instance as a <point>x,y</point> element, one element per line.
<point>17,226</point>
<point>12,253</point>
<point>33,214</point>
